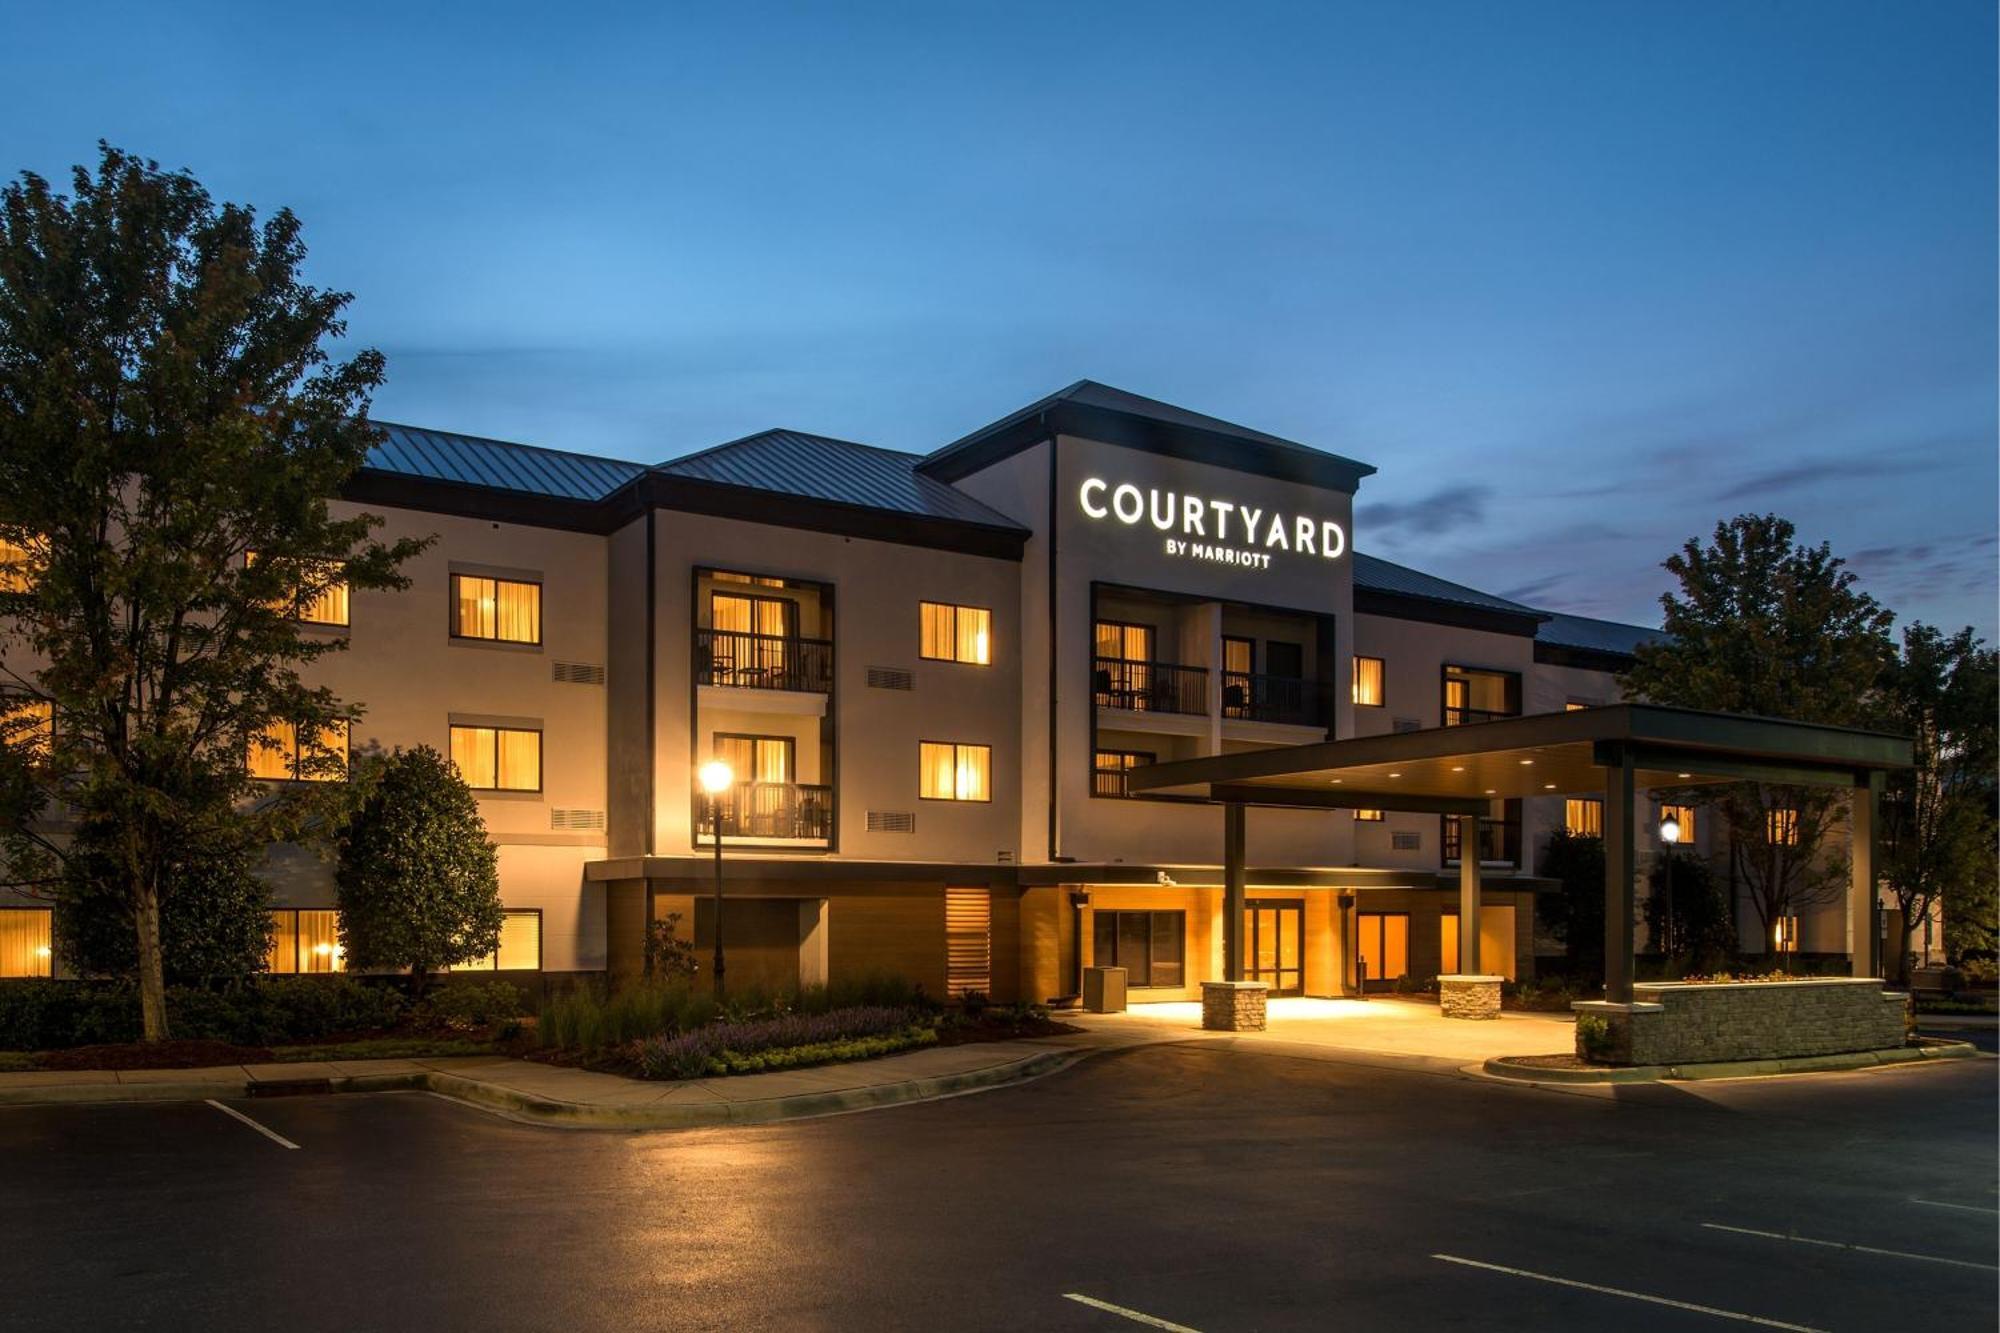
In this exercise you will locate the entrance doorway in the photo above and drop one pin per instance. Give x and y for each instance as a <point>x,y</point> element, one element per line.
<point>1274,946</point>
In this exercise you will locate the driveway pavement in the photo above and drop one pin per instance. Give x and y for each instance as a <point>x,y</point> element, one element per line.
<point>1383,1026</point>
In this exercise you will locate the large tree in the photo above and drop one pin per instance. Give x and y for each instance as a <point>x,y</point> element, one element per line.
<point>419,879</point>
<point>1764,624</point>
<point>171,429</point>
<point>1938,824</point>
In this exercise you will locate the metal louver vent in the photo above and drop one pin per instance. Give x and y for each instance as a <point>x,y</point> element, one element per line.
<point>891,821</point>
<point>1409,724</point>
<point>577,673</point>
<point>1406,842</point>
<point>890,678</point>
<point>576,821</point>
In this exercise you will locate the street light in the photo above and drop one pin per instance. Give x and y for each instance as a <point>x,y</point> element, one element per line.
<point>717,777</point>
<point>1670,833</point>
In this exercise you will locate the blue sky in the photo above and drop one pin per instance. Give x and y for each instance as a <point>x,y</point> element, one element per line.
<point>1579,278</point>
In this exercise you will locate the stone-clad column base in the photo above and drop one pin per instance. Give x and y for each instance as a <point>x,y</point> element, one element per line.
<point>1465,995</point>
<point>1233,1006</point>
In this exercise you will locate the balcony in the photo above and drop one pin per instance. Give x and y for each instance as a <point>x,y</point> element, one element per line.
<point>1150,687</point>
<point>739,660</point>
<point>774,811</point>
<point>1288,700</point>
<point>1465,717</point>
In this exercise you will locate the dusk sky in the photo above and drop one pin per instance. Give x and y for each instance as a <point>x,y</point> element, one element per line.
<point>1580,279</point>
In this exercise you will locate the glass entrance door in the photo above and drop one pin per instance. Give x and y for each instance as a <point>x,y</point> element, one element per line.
<point>1274,946</point>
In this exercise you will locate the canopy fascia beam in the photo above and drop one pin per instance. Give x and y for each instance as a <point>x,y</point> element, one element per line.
<point>1606,754</point>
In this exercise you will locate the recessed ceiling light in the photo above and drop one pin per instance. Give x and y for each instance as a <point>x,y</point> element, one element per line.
<point>1458,768</point>
<point>1395,775</point>
<point>1683,775</point>
<point>1527,763</point>
<point>1338,781</point>
<point>1548,786</point>
<point>1489,791</point>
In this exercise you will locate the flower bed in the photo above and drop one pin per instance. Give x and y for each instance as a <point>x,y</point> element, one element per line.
<point>785,1041</point>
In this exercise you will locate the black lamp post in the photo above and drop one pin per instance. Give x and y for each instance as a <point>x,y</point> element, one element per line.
<point>716,778</point>
<point>1670,833</point>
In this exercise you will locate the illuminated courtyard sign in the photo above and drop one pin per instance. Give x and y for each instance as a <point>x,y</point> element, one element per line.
<point>1220,532</point>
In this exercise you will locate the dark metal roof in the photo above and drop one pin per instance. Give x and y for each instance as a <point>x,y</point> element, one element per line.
<point>1378,575</point>
<point>473,460</point>
<point>1094,411</point>
<point>817,467</point>
<point>1597,636</point>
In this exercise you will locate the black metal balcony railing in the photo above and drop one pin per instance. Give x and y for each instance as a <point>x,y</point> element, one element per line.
<point>1499,841</point>
<point>1110,782</point>
<point>1150,687</point>
<point>1461,717</point>
<point>792,810</point>
<point>1254,698</point>
<point>763,661</point>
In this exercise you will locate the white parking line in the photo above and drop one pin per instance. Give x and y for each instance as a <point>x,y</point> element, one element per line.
<point>1962,1207</point>
<point>1134,1315</point>
<point>1843,1245</point>
<point>272,1135</point>
<point>1631,1295</point>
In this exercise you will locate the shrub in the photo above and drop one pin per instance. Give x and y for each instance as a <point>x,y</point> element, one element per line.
<point>974,1003</point>
<point>1593,1035</point>
<point>700,1051</point>
<point>477,1004</point>
<point>586,1019</point>
<point>824,1053</point>
<point>668,956</point>
<point>49,1015</point>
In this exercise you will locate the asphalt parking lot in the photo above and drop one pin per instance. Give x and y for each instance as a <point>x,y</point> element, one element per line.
<point>1186,1186</point>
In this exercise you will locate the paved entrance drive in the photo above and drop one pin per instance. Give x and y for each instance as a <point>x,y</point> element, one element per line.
<point>1380,1026</point>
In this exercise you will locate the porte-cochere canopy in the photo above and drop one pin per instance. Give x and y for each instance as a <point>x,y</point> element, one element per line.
<point>1611,752</point>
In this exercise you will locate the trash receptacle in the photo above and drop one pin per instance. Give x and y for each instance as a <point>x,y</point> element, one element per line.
<point>1104,990</point>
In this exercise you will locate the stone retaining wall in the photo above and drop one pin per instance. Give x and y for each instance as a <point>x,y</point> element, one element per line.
<point>1671,1023</point>
<point>1233,1006</point>
<point>1465,996</point>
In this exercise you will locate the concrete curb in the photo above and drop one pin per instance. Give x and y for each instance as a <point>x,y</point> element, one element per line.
<point>529,1108</point>
<point>1502,1067</point>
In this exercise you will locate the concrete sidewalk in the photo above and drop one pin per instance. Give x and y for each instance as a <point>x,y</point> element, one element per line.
<point>552,1095</point>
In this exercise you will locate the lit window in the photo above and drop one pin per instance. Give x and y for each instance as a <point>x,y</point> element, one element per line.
<point>1472,695</point>
<point>1575,706</point>
<point>498,758</point>
<point>1584,818</point>
<point>305,940</point>
<point>953,772</point>
<point>27,941</point>
<point>1785,934</point>
<point>279,755</point>
<point>1110,767</point>
<point>1781,826</point>
<point>503,610</point>
<point>1368,681</point>
<point>1368,816</point>
<point>520,945</point>
<point>955,633</point>
<point>327,606</point>
<point>1682,815</point>
<point>14,576</point>
<point>27,723</point>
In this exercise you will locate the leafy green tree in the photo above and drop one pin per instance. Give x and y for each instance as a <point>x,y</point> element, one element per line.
<point>171,429</point>
<point>419,880</point>
<point>1766,625</point>
<point>215,919</point>
<point>1703,925</point>
<point>1575,915</point>
<point>1938,825</point>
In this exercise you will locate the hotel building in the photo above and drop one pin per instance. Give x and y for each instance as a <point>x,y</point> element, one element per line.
<point>930,675</point>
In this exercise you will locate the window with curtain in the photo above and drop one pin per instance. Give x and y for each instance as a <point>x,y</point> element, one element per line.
<point>326,607</point>
<point>498,758</point>
<point>1109,768</point>
<point>1369,816</point>
<point>1368,688</point>
<point>502,610</point>
<point>27,724</point>
<point>757,758</point>
<point>948,633</point>
<point>520,944</point>
<point>1472,695</point>
<point>1125,642</point>
<point>1682,815</point>
<point>13,566</point>
<point>1781,826</point>
<point>284,958</point>
<point>27,941</point>
<point>954,772</point>
<point>280,756</point>
<point>305,940</point>
<point>1584,817</point>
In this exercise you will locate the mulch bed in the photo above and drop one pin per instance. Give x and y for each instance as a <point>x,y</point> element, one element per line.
<point>153,1055</point>
<point>1565,1061</point>
<point>988,1029</point>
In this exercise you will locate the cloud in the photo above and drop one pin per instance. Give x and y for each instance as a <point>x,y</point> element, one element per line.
<point>1445,509</point>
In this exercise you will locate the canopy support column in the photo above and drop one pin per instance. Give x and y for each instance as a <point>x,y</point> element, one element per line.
<point>1467,961</point>
<point>1620,852</point>
<point>1233,896</point>
<point>1864,949</point>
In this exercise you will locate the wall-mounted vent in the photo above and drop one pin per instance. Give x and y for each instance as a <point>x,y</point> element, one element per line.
<point>1407,842</point>
<point>577,673</point>
<point>890,678</point>
<point>1409,724</point>
<point>891,821</point>
<point>576,821</point>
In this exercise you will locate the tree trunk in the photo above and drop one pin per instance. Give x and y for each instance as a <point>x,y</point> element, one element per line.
<point>152,966</point>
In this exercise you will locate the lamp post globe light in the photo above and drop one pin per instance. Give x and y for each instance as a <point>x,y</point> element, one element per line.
<point>717,777</point>
<point>1670,833</point>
